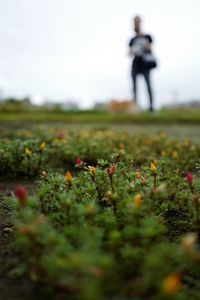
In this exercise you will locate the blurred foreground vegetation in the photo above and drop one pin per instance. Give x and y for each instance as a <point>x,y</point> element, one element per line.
<point>113,216</point>
<point>115,208</point>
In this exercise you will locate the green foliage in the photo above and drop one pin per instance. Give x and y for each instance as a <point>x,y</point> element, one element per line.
<point>61,148</point>
<point>114,227</point>
<point>22,157</point>
<point>14,110</point>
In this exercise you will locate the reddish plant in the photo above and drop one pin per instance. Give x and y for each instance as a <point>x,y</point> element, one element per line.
<point>60,134</point>
<point>111,170</point>
<point>79,162</point>
<point>21,194</point>
<point>189,178</point>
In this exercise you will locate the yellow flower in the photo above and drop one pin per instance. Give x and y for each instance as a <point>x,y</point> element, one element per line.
<point>193,148</point>
<point>171,284</point>
<point>148,142</point>
<point>44,174</point>
<point>161,188</point>
<point>122,152</point>
<point>112,197</point>
<point>109,195</point>
<point>68,177</point>
<point>51,130</point>
<point>27,152</point>
<point>92,170</point>
<point>188,242</point>
<point>162,135</point>
<point>137,201</point>
<point>56,141</point>
<point>174,154</point>
<point>153,168</point>
<point>121,146</point>
<point>64,141</point>
<point>186,142</point>
<point>42,145</point>
<point>90,209</point>
<point>163,153</point>
<point>155,162</point>
<point>138,175</point>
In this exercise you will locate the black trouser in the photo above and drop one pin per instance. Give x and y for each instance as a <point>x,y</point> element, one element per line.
<point>146,74</point>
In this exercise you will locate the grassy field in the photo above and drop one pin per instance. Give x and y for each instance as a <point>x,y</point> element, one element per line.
<point>91,116</point>
<point>179,124</point>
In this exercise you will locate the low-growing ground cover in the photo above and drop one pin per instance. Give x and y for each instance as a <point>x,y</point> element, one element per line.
<point>111,215</point>
<point>37,114</point>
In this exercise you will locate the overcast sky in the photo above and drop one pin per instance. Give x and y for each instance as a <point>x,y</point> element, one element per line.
<point>77,49</point>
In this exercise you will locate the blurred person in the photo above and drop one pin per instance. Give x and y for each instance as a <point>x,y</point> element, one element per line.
<point>144,61</point>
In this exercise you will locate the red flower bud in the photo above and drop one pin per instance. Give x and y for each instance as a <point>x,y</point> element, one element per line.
<point>60,134</point>
<point>189,178</point>
<point>21,194</point>
<point>111,170</point>
<point>79,161</point>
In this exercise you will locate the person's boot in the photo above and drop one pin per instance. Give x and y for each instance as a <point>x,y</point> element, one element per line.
<point>151,109</point>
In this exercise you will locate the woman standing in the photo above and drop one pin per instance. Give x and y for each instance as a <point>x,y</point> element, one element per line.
<point>143,62</point>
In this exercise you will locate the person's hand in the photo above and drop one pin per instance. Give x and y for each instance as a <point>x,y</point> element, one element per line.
<point>147,46</point>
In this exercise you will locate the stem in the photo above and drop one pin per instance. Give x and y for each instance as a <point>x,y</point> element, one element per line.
<point>55,186</point>
<point>153,192</point>
<point>152,200</point>
<point>42,206</point>
<point>101,203</point>
<point>198,219</point>
<point>154,182</point>
<point>40,159</point>
<point>29,165</point>
<point>111,183</point>
<point>114,208</point>
<point>192,189</point>
<point>197,207</point>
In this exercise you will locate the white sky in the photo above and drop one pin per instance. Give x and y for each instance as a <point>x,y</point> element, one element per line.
<point>77,49</point>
